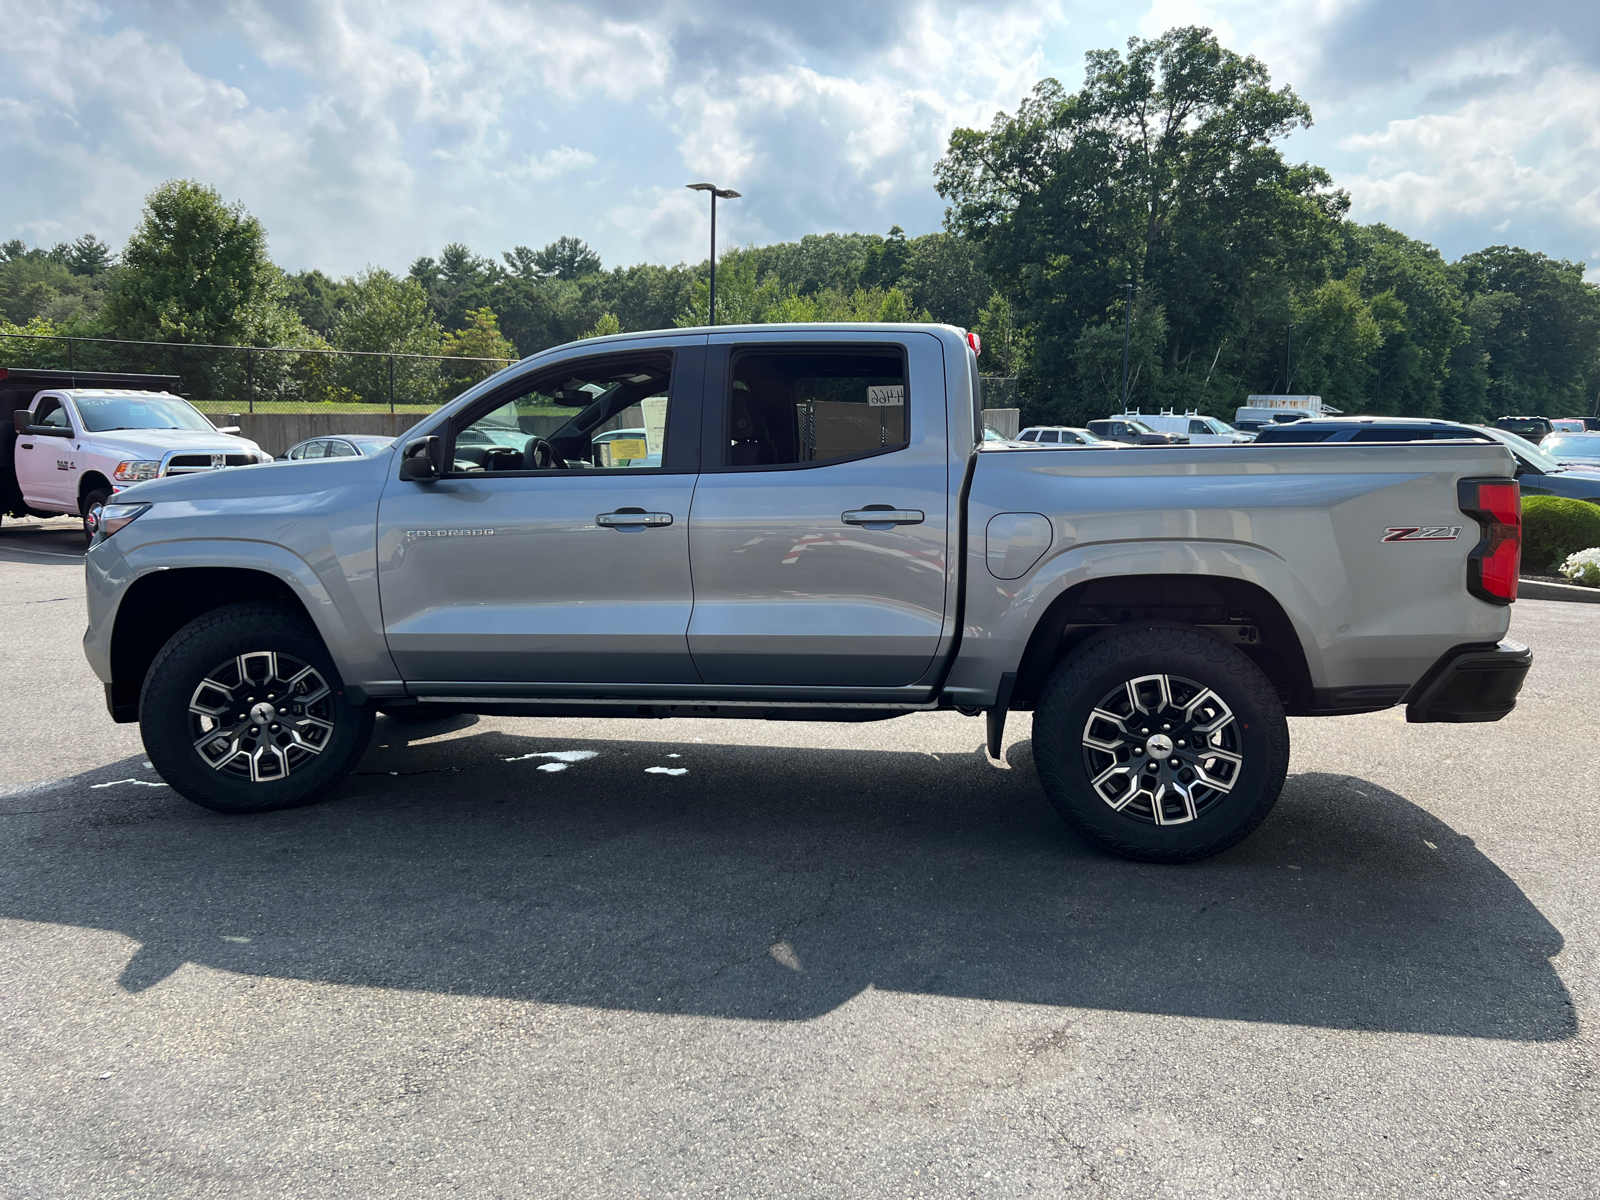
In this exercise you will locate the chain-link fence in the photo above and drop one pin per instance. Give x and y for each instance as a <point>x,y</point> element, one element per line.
<point>264,379</point>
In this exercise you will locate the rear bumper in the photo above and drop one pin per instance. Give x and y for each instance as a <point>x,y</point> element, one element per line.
<point>1470,683</point>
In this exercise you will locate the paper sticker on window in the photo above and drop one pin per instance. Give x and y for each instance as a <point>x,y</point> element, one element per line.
<point>627,449</point>
<point>891,395</point>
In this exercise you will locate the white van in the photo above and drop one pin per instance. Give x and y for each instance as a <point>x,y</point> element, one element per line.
<point>1200,430</point>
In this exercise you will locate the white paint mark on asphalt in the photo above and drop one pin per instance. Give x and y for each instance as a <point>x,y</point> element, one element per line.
<point>674,756</point>
<point>149,766</point>
<point>666,770</point>
<point>552,767</point>
<point>783,954</point>
<point>243,941</point>
<point>566,756</point>
<point>114,782</point>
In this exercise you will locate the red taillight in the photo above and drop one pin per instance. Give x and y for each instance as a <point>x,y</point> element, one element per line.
<point>976,343</point>
<point>1496,561</point>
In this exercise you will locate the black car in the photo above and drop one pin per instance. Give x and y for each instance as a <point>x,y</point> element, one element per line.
<point>1539,474</point>
<point>1534,429</point>
<point>1131,431</point>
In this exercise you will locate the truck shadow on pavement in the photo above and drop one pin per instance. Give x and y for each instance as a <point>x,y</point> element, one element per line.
<point>777,883</point>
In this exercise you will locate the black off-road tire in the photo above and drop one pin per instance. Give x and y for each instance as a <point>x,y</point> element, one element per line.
<point>1183,655</point>
<point>92,504</point>
<point>220,637</point>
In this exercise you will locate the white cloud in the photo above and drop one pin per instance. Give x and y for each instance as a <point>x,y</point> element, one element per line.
<point>376,130</point>
<point>1528,151</point>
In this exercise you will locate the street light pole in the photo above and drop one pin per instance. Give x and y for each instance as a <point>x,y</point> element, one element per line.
<point>726,194</point>
<point>1127,330</point>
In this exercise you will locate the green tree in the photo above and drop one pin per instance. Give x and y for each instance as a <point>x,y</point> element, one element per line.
<point>385,315</point>
<point>605,326</point>
<point>480,338</point>
<point>1161,169</point>
<point>1540,333</point>
<point>316,299</point>
<point>567,258</point>
<point>944,274</point>
<point>1005,346</point>
<point>196,270</point>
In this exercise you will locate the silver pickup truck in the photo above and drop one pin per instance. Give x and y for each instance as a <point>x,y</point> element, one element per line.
<point>803,523</point>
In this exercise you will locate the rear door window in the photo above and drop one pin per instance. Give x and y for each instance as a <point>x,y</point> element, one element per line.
<point>792,406</point>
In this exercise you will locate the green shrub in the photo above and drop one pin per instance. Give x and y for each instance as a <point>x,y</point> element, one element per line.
<point>1554,527</point>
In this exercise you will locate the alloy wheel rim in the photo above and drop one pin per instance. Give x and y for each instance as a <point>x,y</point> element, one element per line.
<point>261,716</point>
<point>1162,749</point>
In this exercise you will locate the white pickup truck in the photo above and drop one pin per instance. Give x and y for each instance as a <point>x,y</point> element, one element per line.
<point>67,450</point>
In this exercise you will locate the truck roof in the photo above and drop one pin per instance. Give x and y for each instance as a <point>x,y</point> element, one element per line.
<point>113,392</point>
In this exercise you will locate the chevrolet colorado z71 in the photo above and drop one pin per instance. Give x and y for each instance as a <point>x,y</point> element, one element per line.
<point>808,525</point>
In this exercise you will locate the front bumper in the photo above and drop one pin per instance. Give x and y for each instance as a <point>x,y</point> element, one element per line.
<point>1470,683</point>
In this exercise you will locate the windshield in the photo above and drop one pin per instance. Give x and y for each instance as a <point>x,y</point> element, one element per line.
<point>1215,425</point>
<point>1585,446</point>
<point>1089,439</point>
<point>1525,449</point>
<point>102,414</point>
<point>1139,426</point>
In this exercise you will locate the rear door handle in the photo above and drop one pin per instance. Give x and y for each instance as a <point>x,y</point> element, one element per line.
<point>633,518</point>
<point>883,516</point>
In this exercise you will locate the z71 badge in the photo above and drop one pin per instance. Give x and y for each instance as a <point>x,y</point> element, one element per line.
<point>1422,533</point>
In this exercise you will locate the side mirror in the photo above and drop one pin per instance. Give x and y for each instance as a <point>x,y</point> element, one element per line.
<point>420,461</point>
<point>19,420</point>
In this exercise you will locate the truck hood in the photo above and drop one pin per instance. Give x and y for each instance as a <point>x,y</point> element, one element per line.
<point>154,443</point>
<point>264,487</point>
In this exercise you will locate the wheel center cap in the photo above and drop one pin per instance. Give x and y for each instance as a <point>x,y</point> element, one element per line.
<point>1159,746</point>
<point>263,713</point>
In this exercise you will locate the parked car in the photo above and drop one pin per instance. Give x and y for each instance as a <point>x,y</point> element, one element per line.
<point>1132,431</point>
<point>1567,425</point>
<point>1538,472</point>
<point>341,445</point>
<point>1061,435</point>
<point>827,537</point>
<point>1201,430</point>
<point>1574,449</point>
<point>1534,429</point>
<point>1369,429</point>
<point>68,450</point>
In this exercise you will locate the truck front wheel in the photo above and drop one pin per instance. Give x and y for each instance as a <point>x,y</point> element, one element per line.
<point>1161,743</point>
<point>242,711</point>
<point>93,506</point>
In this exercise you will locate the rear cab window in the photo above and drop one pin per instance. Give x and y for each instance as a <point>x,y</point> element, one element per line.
<point>795,406</point>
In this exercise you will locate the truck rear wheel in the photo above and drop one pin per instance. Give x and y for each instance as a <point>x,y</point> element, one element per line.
<point>242,711</point>
<point>1161,743</point>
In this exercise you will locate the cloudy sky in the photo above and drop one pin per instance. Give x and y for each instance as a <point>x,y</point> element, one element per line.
<point>363,131</point>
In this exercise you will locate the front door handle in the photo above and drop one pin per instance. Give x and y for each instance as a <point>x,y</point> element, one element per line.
<point>633,518</point>
<point>883,516</point>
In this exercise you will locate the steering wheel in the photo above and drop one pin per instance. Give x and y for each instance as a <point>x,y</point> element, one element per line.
<point>540,455</point>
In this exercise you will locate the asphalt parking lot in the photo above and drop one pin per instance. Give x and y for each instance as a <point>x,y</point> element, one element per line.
<point>824,960</point>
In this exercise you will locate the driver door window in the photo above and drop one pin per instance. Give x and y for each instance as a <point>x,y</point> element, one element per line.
<point>605,415</point>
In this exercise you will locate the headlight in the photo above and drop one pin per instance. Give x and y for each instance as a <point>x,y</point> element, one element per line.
<point>136,470</point>
<point>114,516</point>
